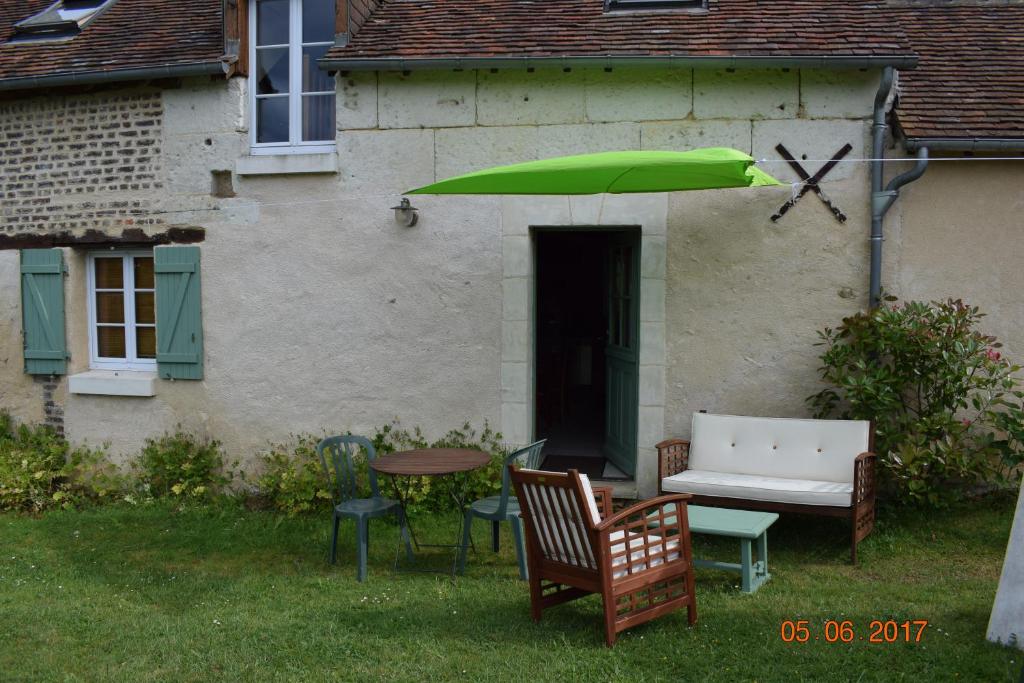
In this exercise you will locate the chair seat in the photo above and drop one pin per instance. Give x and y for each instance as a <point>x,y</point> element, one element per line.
<point>488,507</point>
<point>756,487</point>
<point>365,506</point>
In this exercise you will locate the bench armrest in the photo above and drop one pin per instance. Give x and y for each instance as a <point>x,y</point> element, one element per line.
<point>864,477</point>
<point>673,458</point>
<point>603,498</point>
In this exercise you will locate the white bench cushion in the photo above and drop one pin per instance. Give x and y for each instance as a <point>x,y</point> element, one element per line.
<point>820,450</point>
<point>758,487</point>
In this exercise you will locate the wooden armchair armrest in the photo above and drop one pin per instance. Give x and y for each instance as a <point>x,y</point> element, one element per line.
<point>864,477</point>
<point>673,458</point>
<point>603,498</point>
<point>647,539</point>
<point>636,515</point>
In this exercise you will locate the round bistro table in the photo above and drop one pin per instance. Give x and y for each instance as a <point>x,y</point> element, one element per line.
<point>445,463</point>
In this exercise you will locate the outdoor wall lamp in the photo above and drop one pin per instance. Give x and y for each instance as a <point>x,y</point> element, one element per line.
<point>405,213</point>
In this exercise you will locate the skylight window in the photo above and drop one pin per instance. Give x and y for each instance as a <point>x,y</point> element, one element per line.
<point>619,5</point>
<point>62,19</point>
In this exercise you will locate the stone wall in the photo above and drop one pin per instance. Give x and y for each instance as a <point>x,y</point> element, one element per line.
<point>320,312</point>
<point>80,162</point>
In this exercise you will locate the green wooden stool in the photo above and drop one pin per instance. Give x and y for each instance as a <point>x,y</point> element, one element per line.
<point>742,524</point>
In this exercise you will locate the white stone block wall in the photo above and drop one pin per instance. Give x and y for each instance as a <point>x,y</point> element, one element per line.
<point>320,312</point>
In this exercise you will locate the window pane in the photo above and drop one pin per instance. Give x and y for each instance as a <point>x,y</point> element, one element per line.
<point>272,120</point>
<point>145,311</point>
<point>272,22</point>
<point>109,307</point>
<point>272,71</point>
<point>143,273</point>
<point>318,118</point>
<point>111,342</point>
<point>109,273</point>
<point>317,21</point>
<point>315,79</point>
<point>145,340</point>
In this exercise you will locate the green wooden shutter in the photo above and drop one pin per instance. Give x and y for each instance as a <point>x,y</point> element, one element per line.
<point>42,311</point>
<point>179,322</point>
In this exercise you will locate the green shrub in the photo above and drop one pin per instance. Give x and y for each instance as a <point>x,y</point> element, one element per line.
<point>39,470</point>
<point>293,480</point>
<point>182,465</point>
<point>946,403</point>
<point>430,493</point>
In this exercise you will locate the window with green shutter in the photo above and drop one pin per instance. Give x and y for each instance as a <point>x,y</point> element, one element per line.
<point>42,310</point>
<point>179,326</point>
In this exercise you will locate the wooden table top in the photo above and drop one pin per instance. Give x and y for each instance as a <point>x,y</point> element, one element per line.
<point>430,461</point>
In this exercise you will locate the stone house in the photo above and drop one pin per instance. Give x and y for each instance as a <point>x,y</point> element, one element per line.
<point>196,225</point>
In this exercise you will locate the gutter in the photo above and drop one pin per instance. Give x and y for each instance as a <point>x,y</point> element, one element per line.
<point>684,61</point>
<point>139,74</point>
<point>882,200</point>
<point>966,144</point>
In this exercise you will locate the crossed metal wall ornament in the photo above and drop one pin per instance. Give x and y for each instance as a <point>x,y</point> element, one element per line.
<point>810,183</point>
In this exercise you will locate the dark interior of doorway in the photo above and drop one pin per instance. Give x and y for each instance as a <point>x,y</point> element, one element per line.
<point>572,326</point>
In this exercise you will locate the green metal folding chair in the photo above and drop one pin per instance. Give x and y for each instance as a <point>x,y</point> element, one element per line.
<point>502,508</point>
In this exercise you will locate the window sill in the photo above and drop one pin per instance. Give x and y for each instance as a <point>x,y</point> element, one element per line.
<point>287,164</point>
<point>113,383</point>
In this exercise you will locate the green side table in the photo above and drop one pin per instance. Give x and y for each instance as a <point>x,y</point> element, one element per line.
<point>745,525</point>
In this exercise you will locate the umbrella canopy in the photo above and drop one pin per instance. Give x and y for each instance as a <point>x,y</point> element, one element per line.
<point>612,172</point>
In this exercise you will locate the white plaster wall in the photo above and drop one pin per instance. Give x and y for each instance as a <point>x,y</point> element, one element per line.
<point>958,232</point>
<point>321,312</point>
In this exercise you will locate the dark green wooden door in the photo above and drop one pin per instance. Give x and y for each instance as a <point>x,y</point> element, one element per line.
<point>622,351</point>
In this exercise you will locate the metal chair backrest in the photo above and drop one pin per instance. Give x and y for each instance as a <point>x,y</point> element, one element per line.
<point>340,452</point>
<point>527,458</point>
<point>557,516</point>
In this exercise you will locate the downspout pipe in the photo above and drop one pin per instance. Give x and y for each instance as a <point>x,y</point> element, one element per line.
<point>883,199</point>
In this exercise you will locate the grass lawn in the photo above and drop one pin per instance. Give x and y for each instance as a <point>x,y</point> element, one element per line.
<point>149,593</point>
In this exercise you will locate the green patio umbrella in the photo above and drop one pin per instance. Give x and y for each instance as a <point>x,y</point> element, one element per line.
<point>612,172</point>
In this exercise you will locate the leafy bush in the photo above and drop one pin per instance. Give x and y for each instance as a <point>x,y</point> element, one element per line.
<point>39,470</point>
<point>946,404</point>
<point>430,493</point>
<point>293,480</point>
<point>182,465</point>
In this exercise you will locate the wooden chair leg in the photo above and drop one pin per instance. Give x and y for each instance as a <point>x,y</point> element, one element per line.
<point>334,541</point>
<point>609,620</point>
<point>536,594</point>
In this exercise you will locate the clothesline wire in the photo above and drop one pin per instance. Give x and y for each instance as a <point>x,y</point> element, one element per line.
<point>862,160</point>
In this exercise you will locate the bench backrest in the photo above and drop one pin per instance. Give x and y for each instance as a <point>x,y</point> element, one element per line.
<point>823,450</point>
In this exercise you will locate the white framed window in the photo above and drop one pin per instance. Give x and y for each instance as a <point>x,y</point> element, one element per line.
<point>292,100</point>
<point>122,310</point>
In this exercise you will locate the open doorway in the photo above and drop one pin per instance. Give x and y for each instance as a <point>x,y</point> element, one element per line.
<point>586,350</point>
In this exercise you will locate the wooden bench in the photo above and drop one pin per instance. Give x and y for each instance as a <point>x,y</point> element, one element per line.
<point>817,467</point>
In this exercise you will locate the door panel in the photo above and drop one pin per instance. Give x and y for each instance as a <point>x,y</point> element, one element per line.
<point>621,351</point>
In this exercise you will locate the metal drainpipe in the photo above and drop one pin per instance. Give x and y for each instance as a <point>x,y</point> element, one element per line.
<point>882,200</point>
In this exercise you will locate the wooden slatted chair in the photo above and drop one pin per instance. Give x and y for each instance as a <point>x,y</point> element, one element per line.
<point>576,547</point>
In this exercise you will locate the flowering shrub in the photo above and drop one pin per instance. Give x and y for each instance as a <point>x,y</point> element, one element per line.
<point>39,470</point>
<point>182,465</point>
<point>946,404</point>
<point>293,480</point>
